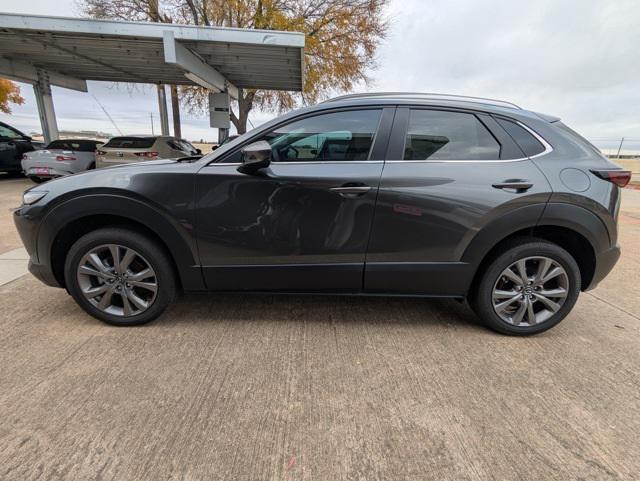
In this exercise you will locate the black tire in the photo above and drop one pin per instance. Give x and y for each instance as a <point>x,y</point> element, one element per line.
<point>92,166</point>
<point>481,298</point>
<point>37,180</point>
<point>152,253</point>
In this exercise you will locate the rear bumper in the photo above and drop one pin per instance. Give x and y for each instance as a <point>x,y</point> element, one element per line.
<point>605,262</point>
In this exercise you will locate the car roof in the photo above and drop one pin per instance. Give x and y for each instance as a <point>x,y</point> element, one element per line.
<point>466,102</point>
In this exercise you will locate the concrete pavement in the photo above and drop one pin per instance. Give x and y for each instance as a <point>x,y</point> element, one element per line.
<point>249,387</point>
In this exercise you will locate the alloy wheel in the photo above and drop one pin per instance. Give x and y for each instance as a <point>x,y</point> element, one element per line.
<point>117,280</point>
<point>530,291</point>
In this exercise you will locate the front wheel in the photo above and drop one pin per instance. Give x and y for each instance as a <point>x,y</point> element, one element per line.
<point>528,289</point>
<point>120,276</point>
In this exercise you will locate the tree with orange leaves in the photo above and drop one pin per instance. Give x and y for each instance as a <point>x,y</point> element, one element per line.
<point>341,39</point>
<point>9,94</point>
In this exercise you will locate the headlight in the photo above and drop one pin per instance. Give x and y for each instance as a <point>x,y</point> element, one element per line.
<point>33,196</point>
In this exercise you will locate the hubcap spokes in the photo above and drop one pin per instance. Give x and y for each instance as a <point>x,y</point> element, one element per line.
<point>530,291</point>
<point>117,280</point>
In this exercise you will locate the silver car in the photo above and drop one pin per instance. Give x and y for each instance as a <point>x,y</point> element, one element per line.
<point>60,158</point>
<point>125,150</point>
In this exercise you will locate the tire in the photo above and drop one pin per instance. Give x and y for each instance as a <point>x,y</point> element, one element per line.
<point>493,291</point>
<point>92,166</point>
<point>37,180</point>
<point>144,304</point>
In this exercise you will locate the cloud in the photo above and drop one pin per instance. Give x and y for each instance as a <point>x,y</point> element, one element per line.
<point>579,60</point>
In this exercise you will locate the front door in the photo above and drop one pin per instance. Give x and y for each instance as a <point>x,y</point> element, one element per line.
<point>304,222</point>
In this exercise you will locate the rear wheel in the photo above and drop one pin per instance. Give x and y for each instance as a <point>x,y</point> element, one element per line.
<point>528,289</point>
<point>120,277</point>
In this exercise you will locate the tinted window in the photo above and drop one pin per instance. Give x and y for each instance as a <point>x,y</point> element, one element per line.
<point>9,133</point>
<point>131,142</point>
<point>441,135</point>
<point>77,145</point>
<point>527,142</point>
<point>577,136</point>
<point>339,136</point>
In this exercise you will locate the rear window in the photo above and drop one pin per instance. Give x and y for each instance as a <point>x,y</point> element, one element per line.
<point>131,142</point>
<point>527,142</point>
<point>443,135</point>
<point>579,137</point>
<point>77,145</point>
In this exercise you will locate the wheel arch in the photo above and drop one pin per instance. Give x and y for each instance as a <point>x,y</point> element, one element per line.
<point>70,220</point>
<point>574,228</point>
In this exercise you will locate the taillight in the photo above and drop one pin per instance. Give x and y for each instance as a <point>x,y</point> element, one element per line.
<point>617,176</point>
<point>147,155</point>
<point>101,152</point>
<point>64,157</point>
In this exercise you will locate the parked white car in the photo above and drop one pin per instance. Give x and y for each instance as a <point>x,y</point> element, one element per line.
<point>134,148</point>
<point>60,158</point>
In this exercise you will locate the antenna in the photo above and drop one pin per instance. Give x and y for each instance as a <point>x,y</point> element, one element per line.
<point>107,114</point>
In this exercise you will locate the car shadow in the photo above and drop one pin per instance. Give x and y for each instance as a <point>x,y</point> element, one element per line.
<point>258,307</point>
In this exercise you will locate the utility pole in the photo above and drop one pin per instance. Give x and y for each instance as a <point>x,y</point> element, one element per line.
<point>620,148</point>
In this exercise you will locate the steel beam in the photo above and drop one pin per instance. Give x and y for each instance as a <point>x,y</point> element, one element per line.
<point>44,100</point>
<point>162,107</point>
<point>196,33</point>
<point>195,68</point>
<point>25,72</point>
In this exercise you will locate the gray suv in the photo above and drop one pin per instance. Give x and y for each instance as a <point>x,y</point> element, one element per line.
<point>375,194</point>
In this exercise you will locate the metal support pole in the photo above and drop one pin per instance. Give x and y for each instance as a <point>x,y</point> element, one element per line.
<point>162,105</point>
<point>223,134</point>
<point>46,112</point>
<point>175,107</point>
<point>620,148</point>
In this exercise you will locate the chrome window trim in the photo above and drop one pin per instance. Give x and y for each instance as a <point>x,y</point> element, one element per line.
<point>547,146</point>
<point>547,149</point>
<point>302,162</point>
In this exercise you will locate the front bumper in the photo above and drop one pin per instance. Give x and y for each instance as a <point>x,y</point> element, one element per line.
<point>27,227</point>
<point>605,262</point>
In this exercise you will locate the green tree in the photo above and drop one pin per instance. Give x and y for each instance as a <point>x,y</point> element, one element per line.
<point>341,39</point>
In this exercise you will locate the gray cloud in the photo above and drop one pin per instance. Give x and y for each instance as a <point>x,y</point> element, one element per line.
<point>578,59</point>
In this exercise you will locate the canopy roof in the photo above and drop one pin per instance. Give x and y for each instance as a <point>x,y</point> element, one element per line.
<point>73,50</point>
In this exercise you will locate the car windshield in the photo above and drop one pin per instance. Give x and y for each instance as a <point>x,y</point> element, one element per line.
<point>8,132</point>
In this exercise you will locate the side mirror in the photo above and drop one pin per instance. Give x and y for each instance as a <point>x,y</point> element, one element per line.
<point>255,156</point>
<point>198,151</point>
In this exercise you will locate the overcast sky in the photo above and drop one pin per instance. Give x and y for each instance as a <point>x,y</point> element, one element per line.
<point>577,59</point>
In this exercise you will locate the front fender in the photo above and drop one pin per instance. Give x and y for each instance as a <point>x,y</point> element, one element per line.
<point>177,236</point>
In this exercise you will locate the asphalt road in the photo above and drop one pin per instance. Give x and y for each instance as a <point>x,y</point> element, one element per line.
<point>249,387</point>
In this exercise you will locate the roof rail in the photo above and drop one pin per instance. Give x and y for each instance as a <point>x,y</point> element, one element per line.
<point>429,95</point>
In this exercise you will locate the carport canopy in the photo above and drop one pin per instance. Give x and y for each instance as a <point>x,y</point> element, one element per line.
<point>66,52</point>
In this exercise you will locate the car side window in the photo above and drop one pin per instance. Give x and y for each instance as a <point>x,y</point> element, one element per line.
<point>527,142</point>
<point>8,133</point>
<point>444,135</point>
<point>336,136</point>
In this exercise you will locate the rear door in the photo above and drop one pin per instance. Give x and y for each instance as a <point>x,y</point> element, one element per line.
<point>304,222</point>
<point>448,174</point>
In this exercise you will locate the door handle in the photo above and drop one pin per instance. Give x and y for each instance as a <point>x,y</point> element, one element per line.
<point>517,185</point>
<point>351,190</point>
